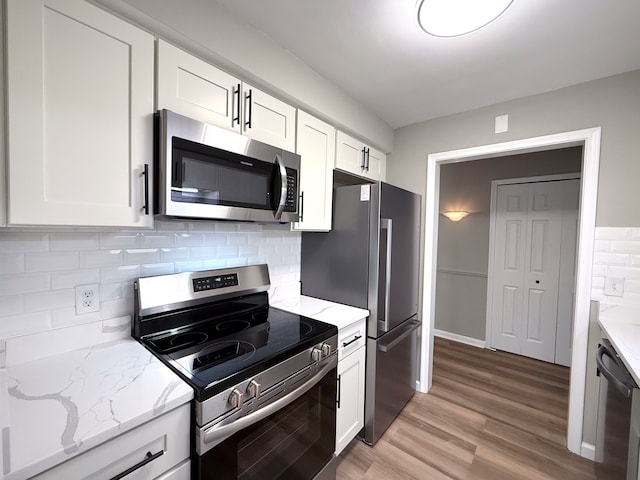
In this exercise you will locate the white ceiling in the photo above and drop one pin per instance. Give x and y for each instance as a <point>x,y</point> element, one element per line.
<point>375,51</point>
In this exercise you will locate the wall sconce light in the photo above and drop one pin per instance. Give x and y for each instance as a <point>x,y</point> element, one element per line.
<point>455,216</point>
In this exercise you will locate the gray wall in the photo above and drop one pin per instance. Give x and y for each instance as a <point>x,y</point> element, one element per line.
<point>463,247</point>
<point>612,103</point>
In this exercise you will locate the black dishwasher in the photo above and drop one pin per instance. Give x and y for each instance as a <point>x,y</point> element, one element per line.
<point>616,453</point>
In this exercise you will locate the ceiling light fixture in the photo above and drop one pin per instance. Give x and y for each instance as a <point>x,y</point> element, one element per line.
<point>451,18</point>
<point>455,216</point>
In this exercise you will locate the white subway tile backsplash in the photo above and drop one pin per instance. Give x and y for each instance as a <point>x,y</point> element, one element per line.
<point>174,254</point>
<point>119,274</point>
<point>613,233</point>
<point>71,278</point>
<point>618,259</point>
<point>11,242</point>
<point>112,241</point>
<point>139,256</point>
<point>36,302</point>
<point>40,268</point>
<point>617,255</point>
<point>24,324</point>
<point>74,241</point>
<point>51,261</point>
<point>156,269</point>
<point>188,239</point>
<point>157,240</point>
<point>24,283</point>
<point>625,246</point>
<point>101,258</point>
<point>12,263</point>
<point>11,305</point>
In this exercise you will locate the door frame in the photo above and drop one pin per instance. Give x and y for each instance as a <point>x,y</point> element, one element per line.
<point>492,226</point>
<point>589,139</point>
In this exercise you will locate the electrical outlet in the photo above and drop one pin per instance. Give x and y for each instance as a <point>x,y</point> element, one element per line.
<point>87,298</point>
<point>614,286</point>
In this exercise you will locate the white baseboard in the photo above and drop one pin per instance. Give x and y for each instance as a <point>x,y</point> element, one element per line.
<point>474,342</point>
<point>588,451</point>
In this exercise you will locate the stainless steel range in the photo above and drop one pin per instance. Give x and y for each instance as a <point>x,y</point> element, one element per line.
<point>264,379</point>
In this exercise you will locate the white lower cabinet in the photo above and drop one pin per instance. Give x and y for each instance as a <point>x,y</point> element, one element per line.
<point>163,443</point>
<point>350,397</point>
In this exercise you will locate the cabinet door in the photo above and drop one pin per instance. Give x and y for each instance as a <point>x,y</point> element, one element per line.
<point>376,165</point>
<point>268,119</point>
<point>194,88</point>
<point>349,154</point>
<point>80,115</point>
<point>350,412</point>
<point>316,142</point>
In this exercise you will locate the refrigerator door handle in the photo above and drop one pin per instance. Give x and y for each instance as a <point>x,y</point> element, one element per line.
<point>387,225</point>
<point>411,326</point>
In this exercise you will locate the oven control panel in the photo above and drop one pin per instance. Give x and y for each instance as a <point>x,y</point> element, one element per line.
<point>218,281</point>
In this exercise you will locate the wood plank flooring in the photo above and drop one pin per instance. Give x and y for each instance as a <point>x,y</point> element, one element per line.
<point>489,415</point>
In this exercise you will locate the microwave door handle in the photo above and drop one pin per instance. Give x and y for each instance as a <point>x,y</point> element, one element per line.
<point>283,188</point>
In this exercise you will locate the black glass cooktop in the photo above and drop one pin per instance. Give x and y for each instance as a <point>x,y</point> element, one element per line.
<point>215,354</point>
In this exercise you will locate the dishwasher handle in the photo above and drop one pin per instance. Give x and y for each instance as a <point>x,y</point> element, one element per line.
<point>620,384</point>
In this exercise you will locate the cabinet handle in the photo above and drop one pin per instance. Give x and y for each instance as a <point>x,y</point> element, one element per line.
<point>145,173</point>
<point>247,98</point>
<point>364,155</point>
<point>367,165</point>
<point>150,457</point>
<point>338,399</point>
<point>355,339</point>
<point>301,207</point>
<point>236,118</point>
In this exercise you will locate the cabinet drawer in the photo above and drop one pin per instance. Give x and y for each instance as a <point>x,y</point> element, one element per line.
<point>166,436</point>
<point>351,337</point>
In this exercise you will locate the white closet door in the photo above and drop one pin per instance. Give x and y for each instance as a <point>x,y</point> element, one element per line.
<point>542,266</point>
<point>508,268</point>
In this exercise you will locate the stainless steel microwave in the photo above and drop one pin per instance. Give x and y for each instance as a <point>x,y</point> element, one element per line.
<point>207,172</point>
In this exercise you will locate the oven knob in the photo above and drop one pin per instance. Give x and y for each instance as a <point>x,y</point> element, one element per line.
<point>316,354</point>
<point>326,349</point>
<point>253,389</point>
<point>236,398</point>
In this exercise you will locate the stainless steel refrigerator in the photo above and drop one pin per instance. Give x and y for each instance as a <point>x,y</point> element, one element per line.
<point>370,259</point>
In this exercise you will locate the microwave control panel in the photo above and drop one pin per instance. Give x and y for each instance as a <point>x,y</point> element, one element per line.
<point>292,188</point>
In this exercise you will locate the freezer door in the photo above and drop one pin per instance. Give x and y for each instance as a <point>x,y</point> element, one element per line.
<point>391,374</point>
<point>399,257</point>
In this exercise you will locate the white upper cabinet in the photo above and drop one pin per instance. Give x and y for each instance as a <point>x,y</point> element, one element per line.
<point>355,157</point>
<point>194,88</point>
<point>79,115</point>
<point>316,145</point>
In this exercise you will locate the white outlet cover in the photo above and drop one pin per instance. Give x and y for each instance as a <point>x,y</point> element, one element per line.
<point>614,286</point>
<point>87,298</point>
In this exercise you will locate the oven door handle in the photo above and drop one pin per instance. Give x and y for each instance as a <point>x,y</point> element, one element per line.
<point>283,187</point>
<point>215,434</point>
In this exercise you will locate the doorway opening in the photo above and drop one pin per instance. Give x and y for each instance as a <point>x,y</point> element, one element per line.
<point>589,140</point>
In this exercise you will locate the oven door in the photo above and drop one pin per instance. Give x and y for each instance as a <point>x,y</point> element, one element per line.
<point>294,442</point>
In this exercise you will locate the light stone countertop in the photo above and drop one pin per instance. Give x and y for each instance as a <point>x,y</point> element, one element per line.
<point>334,313</point>
<point>66,404</point>
<point>621,325</point>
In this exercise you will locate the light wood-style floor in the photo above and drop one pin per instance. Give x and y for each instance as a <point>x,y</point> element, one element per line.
<point>489,415</point>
